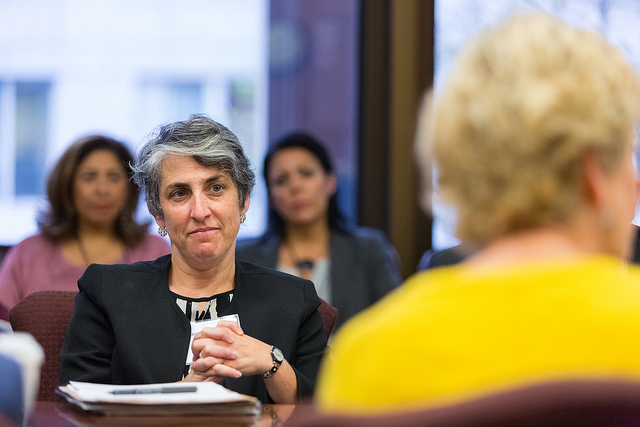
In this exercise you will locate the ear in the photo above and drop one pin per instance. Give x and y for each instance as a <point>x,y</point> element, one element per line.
<point>594,180</point>
<point>245,207</point>
<point>159,220</point>
<point>332,183</point>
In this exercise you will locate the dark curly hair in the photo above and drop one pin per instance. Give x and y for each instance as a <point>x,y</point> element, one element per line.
<point>316,148</point>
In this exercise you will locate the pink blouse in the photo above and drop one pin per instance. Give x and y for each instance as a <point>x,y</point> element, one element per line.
<point>37,264</point>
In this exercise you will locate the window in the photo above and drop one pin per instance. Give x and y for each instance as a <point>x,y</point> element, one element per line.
<point>31,117</point>
<point>121,68</point>
<point>459,20</point>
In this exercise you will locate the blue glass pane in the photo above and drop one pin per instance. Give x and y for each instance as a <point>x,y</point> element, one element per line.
<point>186,99</point>
<point>31,137</point>
<point>457,21</point>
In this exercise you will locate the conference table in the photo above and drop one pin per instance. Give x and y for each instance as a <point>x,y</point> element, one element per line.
<point>58,414</point>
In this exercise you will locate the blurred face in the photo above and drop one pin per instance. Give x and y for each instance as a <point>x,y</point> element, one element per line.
<point>623,196</point>
<point>201,211</point>
<point>299,188</point>
<point>100,189</point>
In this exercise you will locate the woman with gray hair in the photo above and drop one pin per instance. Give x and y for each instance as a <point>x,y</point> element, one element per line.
<point>196,314</point>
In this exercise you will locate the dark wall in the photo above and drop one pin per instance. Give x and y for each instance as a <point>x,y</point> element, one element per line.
<point>397,68</point>
<point>313,80</point>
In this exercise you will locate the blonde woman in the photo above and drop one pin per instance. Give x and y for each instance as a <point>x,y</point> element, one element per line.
<point>533,138</point>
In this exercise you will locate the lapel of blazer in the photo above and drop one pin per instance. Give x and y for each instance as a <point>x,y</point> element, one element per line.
<point>270,251</point>
<point>343,260</point>
<point>175,324</point>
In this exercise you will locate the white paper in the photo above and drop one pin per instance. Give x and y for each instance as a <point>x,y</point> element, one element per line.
<point>207,392</point>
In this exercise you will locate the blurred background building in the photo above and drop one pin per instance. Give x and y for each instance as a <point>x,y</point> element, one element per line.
<point>352,72</point>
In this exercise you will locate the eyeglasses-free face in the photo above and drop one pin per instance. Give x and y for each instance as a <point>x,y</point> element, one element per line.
<point>200,211</point>
<point>299,188</point>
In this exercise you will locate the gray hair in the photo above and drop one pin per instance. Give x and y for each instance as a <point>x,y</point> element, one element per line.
<point>207,141</point>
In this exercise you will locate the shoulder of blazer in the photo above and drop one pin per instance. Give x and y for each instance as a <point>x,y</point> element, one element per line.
<point>255,284</point>
<point>262,250</point>
<point>120,285</point>
<point>158,265</point>
<point>121,276</point>
<point>365,239</point>
<point>247,271</point>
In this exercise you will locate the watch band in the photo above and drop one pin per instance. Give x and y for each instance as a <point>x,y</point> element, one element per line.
<point>276,356</point>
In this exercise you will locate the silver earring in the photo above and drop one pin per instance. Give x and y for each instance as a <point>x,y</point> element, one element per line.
<point>243,218</point>
<point>162,231</point>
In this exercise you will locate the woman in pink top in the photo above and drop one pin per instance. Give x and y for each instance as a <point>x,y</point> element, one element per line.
<point>90,219</point>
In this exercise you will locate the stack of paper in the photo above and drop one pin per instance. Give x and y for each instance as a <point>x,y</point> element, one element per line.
<point>159,399</point>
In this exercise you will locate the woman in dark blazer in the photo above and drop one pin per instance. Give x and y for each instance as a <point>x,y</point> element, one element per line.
<point>351,267</point>
<point>196,314</point>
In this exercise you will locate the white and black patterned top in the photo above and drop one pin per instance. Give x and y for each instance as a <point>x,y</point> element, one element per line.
<point>199,309</point>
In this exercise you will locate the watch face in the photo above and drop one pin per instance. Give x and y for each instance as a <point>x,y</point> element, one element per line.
<point>277,355</point>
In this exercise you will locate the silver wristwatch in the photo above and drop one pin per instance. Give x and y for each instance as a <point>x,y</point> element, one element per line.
<point>277,357</point>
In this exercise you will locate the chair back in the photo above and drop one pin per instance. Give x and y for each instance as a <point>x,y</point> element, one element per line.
<point>45,315</point>
<point>329,314</point>
<point>558,403</point>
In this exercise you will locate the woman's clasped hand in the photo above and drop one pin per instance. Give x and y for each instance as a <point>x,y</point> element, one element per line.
<point>225,351</point>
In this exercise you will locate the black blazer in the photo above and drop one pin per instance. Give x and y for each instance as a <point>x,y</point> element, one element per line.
<point>128,329</point>
<point>364,266</point>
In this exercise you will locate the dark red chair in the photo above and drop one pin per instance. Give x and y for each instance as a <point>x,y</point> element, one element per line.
<point>587,403</point>
<point>45,315</point>
<point>329,314</point>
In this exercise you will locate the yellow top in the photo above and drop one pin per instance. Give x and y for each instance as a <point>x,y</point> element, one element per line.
<point>458,332</point>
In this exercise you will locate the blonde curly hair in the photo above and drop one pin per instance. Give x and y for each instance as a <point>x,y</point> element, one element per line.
<point>524,102</point>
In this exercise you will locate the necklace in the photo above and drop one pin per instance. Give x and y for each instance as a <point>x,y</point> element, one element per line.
<point>302,265</point>
<point>84,253</point>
